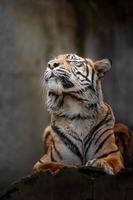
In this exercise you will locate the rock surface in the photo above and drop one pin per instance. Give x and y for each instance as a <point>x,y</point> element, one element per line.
<point>70,184</point>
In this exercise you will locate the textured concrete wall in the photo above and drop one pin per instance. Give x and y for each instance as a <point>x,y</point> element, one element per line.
<point>111,36</point>
<point>30,33</point>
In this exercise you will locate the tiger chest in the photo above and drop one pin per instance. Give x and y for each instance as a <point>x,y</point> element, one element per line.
<point>72,140</point>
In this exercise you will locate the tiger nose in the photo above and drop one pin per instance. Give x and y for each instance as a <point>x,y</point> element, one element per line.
<point>53,65</point>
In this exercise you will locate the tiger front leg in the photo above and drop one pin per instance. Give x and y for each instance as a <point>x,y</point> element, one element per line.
<point>44,164</point>
<point>111,164</point>
<point>46,161</point>
<point>101,163</point>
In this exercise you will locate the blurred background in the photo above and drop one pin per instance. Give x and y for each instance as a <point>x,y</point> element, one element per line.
<point>34,31</point>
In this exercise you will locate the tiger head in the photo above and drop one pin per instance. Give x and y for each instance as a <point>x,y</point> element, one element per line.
<point>76,76</point>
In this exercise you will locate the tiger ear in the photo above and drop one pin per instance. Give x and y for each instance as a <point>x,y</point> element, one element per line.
<point>102,66</point>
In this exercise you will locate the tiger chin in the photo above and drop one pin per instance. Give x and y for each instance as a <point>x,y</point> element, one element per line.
<point>82,131</point>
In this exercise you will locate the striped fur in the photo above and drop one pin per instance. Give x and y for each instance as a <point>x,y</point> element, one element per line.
<point>82,130</point>
<point>124,140</point>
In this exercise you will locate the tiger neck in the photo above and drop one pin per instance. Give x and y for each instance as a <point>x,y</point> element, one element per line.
<point>71,106</point>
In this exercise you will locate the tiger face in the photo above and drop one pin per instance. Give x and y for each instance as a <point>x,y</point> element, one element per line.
<point>71,73</point>
<point>74,85</point>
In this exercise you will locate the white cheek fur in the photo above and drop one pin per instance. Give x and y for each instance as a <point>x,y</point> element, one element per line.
<point>54,85</point>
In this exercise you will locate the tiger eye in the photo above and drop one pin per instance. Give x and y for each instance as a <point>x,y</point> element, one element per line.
<point>80,65</point>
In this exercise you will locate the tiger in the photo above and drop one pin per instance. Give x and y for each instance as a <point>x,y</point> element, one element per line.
<point>82,131</point>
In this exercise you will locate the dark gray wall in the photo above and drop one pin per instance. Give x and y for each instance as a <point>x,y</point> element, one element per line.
<point>30,33</point>
<point>111,36</point>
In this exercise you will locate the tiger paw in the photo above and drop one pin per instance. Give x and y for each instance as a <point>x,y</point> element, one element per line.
<point>101,163</point>
<point>42,166</point>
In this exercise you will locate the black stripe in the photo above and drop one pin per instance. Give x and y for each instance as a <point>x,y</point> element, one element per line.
<point>57,152</point>
<point>90,137</point>
<point>91,88</point>
<point>90,140</point>
<point>52,157</point>
<point>103,142</point>
<point>58,98</point>
<point>83,76</point>
<point>94,129</point>
<point>121,140</point>
<point>68,142</point>
<point>61,102</point>
<point>66,83</point>
<point>55,96</point>
<point>93,106</point>
<point>83,82</point>
<point>52,94</point>
<point>78,91</point>
<point>77,116</point>
<point>109,129</point>
<point>107,154</point>
<point>92,77</point>
<point>63,71</point>
<point>125,146</point>
<point>40,161</point>
<point>74,96</point>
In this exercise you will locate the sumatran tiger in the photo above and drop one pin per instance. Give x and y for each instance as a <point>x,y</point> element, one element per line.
<point>82,131</point>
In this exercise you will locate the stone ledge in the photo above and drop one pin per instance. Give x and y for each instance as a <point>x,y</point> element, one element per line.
<point>72,184</point>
